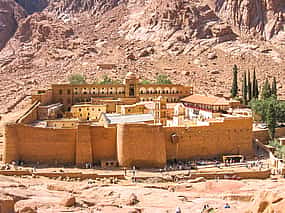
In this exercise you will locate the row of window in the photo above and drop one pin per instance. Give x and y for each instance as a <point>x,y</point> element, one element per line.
<point>160,92</point>
<point>169,100</point>
<point>93,91</point>
<point>93,109</point>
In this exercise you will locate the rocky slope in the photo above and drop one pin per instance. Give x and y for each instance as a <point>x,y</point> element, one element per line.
<point>262,19</point>
<point>10,14</point>
<point>195,42</point>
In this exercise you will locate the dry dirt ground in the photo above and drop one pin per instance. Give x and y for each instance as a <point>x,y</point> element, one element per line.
<point>49,195</point>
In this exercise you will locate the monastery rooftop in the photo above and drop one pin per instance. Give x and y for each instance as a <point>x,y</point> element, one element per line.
<point>114,118</point>
<point>207,100</point>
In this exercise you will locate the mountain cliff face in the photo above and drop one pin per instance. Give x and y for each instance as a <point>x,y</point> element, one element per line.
<point>32,6</point>
<point>195,41</point>
<point>76,6</point>
<point>10,14</point>
<point>263,19</point>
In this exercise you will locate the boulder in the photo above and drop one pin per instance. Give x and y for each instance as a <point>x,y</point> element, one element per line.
<point>146,52</point>
<point>215,72</point>
<point>267,201</point>
<point>133,200</point>
<point>187,73</point>
<point>28,209</point>
<point>68,201</point>
<point>131,56</point>
<point>212,56</point>
<point>7,204</point>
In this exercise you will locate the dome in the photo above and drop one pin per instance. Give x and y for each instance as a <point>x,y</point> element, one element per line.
<point>131,75</point>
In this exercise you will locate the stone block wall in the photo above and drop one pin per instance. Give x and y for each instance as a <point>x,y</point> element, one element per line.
<point>141,145</point>
<point>263,136</point>
<point>229,137</point>
<point>104,143</point>
<point>44,145</point>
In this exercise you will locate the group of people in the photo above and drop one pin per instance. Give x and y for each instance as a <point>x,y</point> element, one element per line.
<point>205,207</point>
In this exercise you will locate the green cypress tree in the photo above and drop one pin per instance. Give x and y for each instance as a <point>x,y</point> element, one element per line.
<point>244,89</point>
<point>254,84</point>
<point>266,90</point>
<point>234,90</point>
<point>256,89</point>
<point>274,87</point>
<point>249,87</point>
<point>271,120</point>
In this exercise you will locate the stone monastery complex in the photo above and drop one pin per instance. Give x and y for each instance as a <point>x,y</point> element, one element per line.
<point>129,124</point>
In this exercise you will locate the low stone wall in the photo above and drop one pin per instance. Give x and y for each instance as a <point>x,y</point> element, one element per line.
<point>264,174</point>
<point>228,175</point>
<point>77,175</point>
<point>263,136</point>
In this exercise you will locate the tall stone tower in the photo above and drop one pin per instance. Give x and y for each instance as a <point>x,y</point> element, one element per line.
<point>131,82</point>
<point>160,111</point>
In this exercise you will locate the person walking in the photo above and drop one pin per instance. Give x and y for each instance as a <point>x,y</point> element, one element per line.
<point>178,210</point>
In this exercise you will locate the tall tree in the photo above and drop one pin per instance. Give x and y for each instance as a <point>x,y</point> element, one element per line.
<point>254,84</point>
<point>244,89</point>
<point>274,87</point>
<point>266,90</point>
<point>234,90</point>
<point>249,87</point>
<point>256,89</point>
<point>271,120</point>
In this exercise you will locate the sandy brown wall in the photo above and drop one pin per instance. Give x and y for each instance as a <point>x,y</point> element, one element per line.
<point>30,115</point>
<point>229,137</point>
<point>103,140</point>
<point>41,144</point>
<point>263,136</point>
<point>140,145</point>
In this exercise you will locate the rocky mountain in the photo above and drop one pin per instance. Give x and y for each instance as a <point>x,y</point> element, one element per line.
<point>10,14</point>
<point>32,6</point>
<point>263,19</point>
<point>191,41</point>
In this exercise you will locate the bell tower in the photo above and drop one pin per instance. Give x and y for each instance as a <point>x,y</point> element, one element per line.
<point>131,85</point>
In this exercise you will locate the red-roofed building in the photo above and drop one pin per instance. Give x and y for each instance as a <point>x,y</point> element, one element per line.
<point>205,107</point>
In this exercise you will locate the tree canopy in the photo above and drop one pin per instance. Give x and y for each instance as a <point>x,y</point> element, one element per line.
<point>163,79</point>
<point>77,79</point>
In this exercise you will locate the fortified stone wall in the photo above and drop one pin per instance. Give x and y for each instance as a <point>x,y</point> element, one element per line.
<point>104,143</point>
<point>44,145</point>
<point>131,144</point>
<point>141,145</point>
<point>263,136</point>
<point>229,137</point>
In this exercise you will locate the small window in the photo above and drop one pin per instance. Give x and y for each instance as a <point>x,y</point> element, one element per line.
<point>60,92</point>
<point>68,91</point>
<point>99,109</point>
<point>79,109</point>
